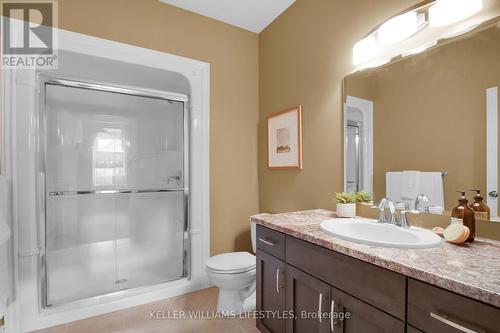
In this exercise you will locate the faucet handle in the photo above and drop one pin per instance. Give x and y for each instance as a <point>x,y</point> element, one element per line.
<point>392,210</point>
<point>404,219</point>
<point>382,205</point>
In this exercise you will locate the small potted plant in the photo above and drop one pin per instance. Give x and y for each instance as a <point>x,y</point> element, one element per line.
<point>346,204</point>
<point>364,198</point>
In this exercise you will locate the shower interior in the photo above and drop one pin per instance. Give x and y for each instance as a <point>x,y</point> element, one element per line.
<point>114,210</point>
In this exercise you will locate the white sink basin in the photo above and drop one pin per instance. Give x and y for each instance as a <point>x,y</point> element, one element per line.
<point>368,231</point>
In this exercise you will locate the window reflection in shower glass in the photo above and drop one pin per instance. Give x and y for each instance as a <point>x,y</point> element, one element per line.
<point>97,243</point>
<point>109,159</point>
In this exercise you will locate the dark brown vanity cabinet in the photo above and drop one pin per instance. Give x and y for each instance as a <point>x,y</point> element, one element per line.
<point>307,288</point>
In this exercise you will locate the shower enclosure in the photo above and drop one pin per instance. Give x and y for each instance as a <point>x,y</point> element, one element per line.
<point>107,214</point>
<point>114,178</point>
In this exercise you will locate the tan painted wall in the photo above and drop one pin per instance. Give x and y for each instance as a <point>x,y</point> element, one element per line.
<point>304,55</point>
<point>233,57</point>
<point>430,112</point>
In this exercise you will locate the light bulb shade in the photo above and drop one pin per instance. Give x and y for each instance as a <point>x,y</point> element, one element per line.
<point>364,50</point>
<point>398,28</point>
<point>445,12</point>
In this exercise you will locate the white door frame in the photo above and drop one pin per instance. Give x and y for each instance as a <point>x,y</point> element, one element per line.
<point>366,108</point>
<point>492,150</point>
<point>19,109</point>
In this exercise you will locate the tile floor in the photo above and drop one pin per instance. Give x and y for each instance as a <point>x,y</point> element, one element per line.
<point>137,319</point>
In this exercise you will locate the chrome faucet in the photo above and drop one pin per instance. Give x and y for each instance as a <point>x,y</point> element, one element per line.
<point>382,205</point>
<point>387,203</point>
<point>418,203</point>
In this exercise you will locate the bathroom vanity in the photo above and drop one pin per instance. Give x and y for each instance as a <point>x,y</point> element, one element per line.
<point>308,281</point>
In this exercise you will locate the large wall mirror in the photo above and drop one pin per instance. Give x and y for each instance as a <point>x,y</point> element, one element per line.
<point>427,123</point>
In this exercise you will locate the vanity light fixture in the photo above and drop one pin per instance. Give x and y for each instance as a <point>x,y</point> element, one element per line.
<point>419,22</point>
<point>400,27</point>
<point>364,50</point>
<point>446,12</point>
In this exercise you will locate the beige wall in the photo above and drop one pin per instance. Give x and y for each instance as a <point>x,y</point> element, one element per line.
<point>233,57</point>
<point>304,55</point>
<point>430,112</point>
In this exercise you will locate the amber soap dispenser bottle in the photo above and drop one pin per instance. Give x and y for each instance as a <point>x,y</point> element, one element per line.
<point>481,211</point>
<point>464,213</point>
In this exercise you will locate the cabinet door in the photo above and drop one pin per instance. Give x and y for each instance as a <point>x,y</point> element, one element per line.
<point>350,315</point>
<point>308,298</point>
<point>270,293</point>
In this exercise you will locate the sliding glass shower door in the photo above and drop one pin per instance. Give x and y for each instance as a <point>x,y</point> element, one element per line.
<point>115,190</point>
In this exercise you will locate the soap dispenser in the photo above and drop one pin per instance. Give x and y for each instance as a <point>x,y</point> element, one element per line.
<point>481,211</point>
<point>463,213</point>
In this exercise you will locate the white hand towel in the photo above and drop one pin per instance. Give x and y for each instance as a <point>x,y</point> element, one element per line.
<point>394,187</point>
<point>431,184</point>
<point>393,181</point>
<point>410,185</point>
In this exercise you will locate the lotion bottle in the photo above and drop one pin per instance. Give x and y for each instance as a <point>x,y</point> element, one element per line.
<point>463,213</point>
<point>481,211</point>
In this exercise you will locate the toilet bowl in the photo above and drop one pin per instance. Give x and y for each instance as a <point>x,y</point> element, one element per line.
<point>234,274</point>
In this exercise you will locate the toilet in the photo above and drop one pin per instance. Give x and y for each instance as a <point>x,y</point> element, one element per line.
<point>234,274</point>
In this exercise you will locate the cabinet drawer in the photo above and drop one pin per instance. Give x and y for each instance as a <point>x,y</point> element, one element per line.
<point>270,241</point>
<point>377,286</point>
<point>362,317</point>
<point>432,309</point>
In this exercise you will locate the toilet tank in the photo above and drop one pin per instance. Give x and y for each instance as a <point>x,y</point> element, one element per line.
<point>252,234</point>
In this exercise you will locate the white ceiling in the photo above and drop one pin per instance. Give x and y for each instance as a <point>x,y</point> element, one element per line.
<point>253,15</point>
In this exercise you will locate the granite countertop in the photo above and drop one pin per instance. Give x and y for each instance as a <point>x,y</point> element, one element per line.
<point>471,269</point>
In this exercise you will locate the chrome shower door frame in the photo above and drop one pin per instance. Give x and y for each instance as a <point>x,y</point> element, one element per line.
<point>42,80</point>
<point>358,155</point>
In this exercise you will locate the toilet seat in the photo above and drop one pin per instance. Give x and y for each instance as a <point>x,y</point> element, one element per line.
<point>231,263</point>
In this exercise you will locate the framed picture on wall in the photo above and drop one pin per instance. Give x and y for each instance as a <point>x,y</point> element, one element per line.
<point>284,139</point>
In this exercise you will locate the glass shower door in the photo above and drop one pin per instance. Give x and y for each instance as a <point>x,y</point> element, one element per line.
<point>115,192</point>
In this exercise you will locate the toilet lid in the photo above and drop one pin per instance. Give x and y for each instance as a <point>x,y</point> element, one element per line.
<point>231,262</point>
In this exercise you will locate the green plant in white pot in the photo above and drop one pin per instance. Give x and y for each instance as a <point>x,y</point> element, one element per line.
<point>364,197</point>
<point>346,204</point>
